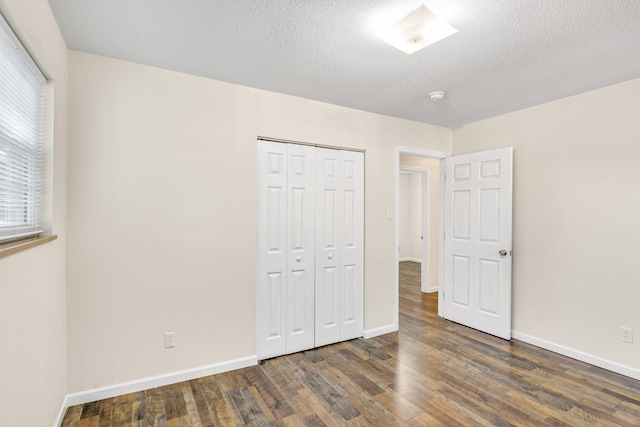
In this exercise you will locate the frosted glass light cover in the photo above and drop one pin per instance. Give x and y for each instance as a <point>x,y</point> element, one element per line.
<point>416,31</point>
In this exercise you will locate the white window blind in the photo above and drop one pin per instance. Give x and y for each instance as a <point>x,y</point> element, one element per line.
<point>21,130</point>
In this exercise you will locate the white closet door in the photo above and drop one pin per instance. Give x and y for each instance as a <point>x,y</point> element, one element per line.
<point>286,245</point>
<point>300,248</point>
<point>339,245</point>
<point>352,245</point>
<point>310,247</point>
<point>272,249</point>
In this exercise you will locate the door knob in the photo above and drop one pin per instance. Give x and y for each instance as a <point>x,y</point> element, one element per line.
<point>329,256</point>
<point>503,253</point>
<point>298,258</point>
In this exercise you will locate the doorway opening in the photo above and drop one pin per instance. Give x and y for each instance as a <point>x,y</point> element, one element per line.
<point>418,211</point>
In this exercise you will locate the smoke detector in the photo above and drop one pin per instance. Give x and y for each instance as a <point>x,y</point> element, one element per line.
<point>437,95</point>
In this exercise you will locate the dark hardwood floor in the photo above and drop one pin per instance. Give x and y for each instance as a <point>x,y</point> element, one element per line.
<point>431,373</point>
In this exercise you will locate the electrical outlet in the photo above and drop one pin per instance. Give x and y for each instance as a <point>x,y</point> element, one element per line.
<point>627,334</point>
<point>169,339</point>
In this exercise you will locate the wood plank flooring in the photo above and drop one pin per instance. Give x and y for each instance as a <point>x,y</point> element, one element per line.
<point>431,373</point>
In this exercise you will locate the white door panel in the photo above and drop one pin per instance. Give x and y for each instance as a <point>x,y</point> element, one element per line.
<point>329,189</point>
<point>352,245</point>
<point>300,248</point>
<point>477,227</point>
<point>339,246</point>
<point>272,249</point>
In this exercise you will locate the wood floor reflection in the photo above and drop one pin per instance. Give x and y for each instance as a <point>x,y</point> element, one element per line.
<point>430,373</point>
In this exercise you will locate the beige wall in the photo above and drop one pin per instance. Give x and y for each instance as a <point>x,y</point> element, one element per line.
<point>576,217</point>
<point>32,283</point>
<point>409,219</point>
<point>162,205</point>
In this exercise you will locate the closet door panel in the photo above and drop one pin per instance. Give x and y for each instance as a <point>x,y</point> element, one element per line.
<point>352,245</point>
<point>300,248</point>
<point>328,229</point>
<point>271,249</point>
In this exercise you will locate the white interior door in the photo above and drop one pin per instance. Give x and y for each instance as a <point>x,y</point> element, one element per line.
<point>339,245</point>
<point>477,241</point>
<point>271,262</point>
<point>300,248</point>
<point>352,246</point>
<point>286,245</point>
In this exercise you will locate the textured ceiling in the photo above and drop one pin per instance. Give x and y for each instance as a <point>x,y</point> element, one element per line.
<point>508,55</point>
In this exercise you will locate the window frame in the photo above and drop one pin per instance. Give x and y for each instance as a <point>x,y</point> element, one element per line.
<point>22,141</point>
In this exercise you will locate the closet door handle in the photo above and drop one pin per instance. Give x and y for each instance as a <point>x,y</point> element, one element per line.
<point>298,258</point>
<point>329,256</point>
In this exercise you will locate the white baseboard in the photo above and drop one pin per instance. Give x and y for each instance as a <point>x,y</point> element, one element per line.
<point>418,260</point>
<point>433,289</point>
<point>370,333</point>
<point>579,355</point>
<point>61,411</point>
<point>107,392</point>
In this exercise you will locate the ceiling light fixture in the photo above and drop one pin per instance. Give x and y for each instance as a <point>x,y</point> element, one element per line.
<point>437,95</point>
<point>417,30</point>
